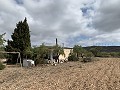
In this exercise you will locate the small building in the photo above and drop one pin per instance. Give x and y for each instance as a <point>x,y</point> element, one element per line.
<point>67,51</point>
<point>28,63</point>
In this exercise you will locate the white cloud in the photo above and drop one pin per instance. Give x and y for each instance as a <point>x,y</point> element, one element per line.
<point>107,17</point>
<point>87,20</point>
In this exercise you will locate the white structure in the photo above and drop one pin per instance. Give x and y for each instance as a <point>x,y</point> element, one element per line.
<point>28,63</point>
<point>67,51</point>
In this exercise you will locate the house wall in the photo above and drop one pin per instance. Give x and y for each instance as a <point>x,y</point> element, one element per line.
<point>67,51</point>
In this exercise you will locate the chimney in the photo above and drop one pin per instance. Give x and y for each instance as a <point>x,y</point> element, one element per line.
<point>56,42</point>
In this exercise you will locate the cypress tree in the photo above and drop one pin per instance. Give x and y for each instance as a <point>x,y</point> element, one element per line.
<point>20,38</point>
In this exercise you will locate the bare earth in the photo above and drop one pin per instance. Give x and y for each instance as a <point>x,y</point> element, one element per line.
<point>99,75</point>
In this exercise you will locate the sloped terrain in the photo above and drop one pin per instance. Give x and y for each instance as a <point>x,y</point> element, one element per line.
<point>99,75</point>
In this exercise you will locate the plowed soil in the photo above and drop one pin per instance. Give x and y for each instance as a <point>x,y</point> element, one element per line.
<point>98,75</point>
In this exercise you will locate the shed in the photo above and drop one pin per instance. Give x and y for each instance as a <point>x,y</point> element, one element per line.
<point>28,63</point>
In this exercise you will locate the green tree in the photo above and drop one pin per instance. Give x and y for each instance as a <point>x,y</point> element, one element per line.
<point>44,52</point>
<point>40,53</point>
<point>96,50</point>
<point>28,52</point>
<point>20,39</point>
<point>57,51</point>
<point>2,41</point>
<point>72,57</point>
<point>79,51</point>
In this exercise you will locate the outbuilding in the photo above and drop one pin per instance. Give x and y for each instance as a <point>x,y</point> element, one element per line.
<point>28,63</point>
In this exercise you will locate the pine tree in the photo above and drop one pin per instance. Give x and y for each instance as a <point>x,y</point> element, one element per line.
<point>20,38</point>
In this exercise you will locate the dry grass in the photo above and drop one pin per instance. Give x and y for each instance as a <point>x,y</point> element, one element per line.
<point>99,75</point>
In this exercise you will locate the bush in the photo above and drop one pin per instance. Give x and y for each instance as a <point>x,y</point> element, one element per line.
<point>114,54</point>
<point>87,59</point>
<point>104,54</point>
<point>72,57</point>
<point>40,61</point>
<point>2,66</point>
<point>89,54</point>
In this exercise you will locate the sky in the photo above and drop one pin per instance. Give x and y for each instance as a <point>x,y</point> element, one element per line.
<point>72,22</point>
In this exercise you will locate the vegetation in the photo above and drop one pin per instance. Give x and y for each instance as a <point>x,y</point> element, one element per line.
<point>57,51</point>
<point>40,53</point>
<point>1,66</point>
<point>2,41</point>
<point>21,43</point>
<point>72,57</point>
<point>78,51</point>
<point>20,40</point>
<point>109,54</point>
<point>95,51</point>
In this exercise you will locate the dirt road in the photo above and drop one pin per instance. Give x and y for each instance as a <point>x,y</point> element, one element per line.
<point>99,75</point>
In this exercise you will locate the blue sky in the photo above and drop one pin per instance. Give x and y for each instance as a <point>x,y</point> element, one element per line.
<point>82,22</point>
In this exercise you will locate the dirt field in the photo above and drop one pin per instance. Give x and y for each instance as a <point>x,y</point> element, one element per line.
<point>99,75</point>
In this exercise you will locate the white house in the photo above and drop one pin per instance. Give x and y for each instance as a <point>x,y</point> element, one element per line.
<point>67,51</point>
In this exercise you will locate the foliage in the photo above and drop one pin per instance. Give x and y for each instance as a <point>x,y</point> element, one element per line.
<point>35,52</point>
<point>79,51</point>
<point>87,59</point>
<point>72,57</point>
<point>57,50</point>
<point>20,39</point>
<point>28,52</point>
<point>114,54</point>
<point>40,53</point>
<point>109,54</point>
<point>43,52</point>
<point>104,54</point>
<point>89,54</point>
<point>1,54</point>
<point>118,54</point>
<point>2,41</point>
<point>95,50</point>
<point>2,66</point>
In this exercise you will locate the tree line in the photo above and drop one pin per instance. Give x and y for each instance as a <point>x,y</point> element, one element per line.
<point>21,43</point>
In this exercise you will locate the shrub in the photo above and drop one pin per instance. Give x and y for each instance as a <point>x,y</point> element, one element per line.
<point>114,54</point>
<point>40,61</point>
<point>72,57</point>
<point>104,54</point>
<point>89,54</point>
<point>87,59</point>
<point>2,66</point>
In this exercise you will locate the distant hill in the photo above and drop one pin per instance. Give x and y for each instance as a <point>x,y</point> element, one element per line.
<point>105,48</point>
